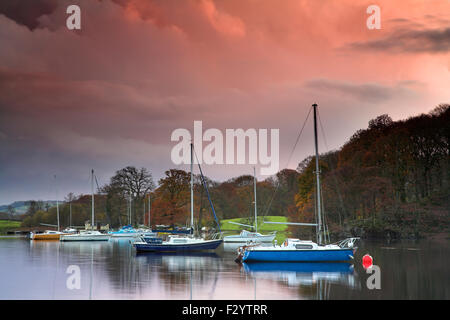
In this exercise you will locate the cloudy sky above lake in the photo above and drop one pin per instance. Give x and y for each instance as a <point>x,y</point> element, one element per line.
<point>111,94</point>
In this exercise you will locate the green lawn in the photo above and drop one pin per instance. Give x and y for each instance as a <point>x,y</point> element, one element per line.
<point>6,225</point>
<point>281,229</point>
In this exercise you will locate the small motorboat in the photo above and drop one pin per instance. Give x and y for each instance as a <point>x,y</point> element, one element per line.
<point>176,244</point>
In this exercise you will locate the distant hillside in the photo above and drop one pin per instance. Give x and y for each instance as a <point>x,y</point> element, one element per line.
<point>21,207</point>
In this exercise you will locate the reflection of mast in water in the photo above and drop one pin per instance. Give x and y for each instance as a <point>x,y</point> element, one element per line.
<point>92,273</point>
<point>213,288</point>
<point>56,270</point>
<point>190,280</point>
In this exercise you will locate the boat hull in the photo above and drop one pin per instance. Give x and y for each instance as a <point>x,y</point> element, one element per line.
<point>298,255</point>
<point>125,235</point>
<point>85,238</point>
<point>45,236</point>
<point>303,267</point>
<point>182,247</point>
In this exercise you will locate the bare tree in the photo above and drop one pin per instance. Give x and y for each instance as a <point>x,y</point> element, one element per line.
<point>129,182</point>
<point>11,211</point>
<point>134,181</point>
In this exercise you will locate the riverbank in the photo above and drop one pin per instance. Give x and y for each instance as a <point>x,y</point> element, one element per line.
<point>264,228</point>
<point>8,225</point>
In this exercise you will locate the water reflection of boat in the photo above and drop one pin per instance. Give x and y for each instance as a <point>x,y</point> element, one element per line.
<point>84,248</point>
<point>181,262</point>
<point>154,255</point>
<point>299,273</point>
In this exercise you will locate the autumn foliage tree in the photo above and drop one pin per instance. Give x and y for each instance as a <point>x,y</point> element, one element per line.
<point>171,198</point>
<point>387,179</point>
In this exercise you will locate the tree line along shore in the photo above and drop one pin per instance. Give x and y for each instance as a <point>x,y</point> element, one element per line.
<point>391,179</point>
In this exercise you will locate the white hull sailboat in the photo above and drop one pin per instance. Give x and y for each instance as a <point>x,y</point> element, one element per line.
<point>250,237</point>
<point>88,235</point>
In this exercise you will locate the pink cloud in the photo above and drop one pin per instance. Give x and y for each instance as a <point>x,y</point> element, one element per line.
<point>139,69</point>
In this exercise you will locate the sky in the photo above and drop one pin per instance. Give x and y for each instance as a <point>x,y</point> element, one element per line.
<point>111,94</point>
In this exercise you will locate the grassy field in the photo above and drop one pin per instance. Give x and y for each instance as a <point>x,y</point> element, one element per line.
<point>6,225</point>
<point>281,229</point>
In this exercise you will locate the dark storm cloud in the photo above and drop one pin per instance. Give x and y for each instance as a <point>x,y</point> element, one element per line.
<point>26,12</point>
<point>409,41</point>
<point>111,95</point>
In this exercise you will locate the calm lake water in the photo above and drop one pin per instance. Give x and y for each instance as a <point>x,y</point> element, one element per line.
<point>113,270</point>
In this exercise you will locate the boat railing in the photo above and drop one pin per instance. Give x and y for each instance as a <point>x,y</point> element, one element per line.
<point>347,243</point>
<point>216,235</point>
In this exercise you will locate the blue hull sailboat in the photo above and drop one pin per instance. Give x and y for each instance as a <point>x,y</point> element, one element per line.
<point>296,250</point>
<point>177,244</point>
<point>186,242</point>
<point>300,251</point>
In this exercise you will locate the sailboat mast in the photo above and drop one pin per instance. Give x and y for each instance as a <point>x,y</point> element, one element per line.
<point>149,210</point>
<point>319,212</point>
<point>129,209</point>
<point>57,211</point>
<point>256,208</point>
<point>57,203</point>
<point>92,190</point>
<point>192,187</point>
